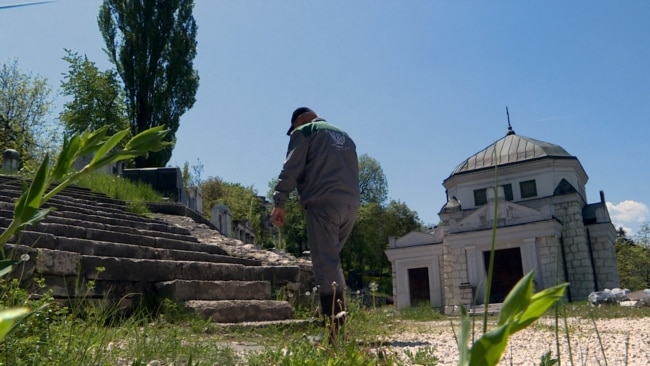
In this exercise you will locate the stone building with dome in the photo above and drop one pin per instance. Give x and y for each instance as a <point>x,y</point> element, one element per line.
<point>535,193</point>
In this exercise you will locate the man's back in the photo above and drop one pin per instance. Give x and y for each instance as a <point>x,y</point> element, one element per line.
<point>331,170</point>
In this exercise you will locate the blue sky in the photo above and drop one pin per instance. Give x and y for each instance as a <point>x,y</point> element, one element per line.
<point>419,84</point>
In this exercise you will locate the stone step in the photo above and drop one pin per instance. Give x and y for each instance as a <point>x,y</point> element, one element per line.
<point>183,290</point>
<point>84,200</point>
<point>70,203</point>
<point>157,247</point>
<point>95,217</point>
<point>235,311</point>
<point>53,235</point>
<point>73,191</point>
<point>90,247</point>
<point>154,229</point>
<point>166,249</point>
<point>295,324</point>
<point>61,263</point>
<point>127,279</point>
<point>63,226</point>
<point>16,184</point>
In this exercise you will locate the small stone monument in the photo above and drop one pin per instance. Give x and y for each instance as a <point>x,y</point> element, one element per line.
<point>10,159</point>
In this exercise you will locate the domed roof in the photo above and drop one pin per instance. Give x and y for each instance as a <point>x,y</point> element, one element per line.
<point>510,149</point>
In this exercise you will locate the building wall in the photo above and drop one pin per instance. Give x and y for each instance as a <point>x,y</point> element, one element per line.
<point>602,238</point>
<point>455,274</point>
<point>575,249</point>
<point>551,270</point>
<point>403,259</point>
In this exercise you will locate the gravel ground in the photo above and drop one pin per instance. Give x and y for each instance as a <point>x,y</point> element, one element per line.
<point>625,342</point>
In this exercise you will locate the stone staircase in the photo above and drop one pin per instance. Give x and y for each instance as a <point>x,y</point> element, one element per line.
<point>91,247</point>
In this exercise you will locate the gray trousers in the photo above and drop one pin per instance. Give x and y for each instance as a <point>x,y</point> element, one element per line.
<point>328,227</point>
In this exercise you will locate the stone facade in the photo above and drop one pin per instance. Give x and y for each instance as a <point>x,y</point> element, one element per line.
<point>543,224</point>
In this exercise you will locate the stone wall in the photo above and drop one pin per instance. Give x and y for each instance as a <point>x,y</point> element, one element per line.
<point>550,262</point>
<point>602,238</point>
<point>576,249</point>
<point>454,275</point>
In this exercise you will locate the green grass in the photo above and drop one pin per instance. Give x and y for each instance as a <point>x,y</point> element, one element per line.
<point>136,194</point>
<point>583,309</point>
<point>421,312</point>
<point>89,334</point>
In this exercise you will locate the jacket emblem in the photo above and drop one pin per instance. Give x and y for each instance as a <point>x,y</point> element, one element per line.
<point>339,140</point>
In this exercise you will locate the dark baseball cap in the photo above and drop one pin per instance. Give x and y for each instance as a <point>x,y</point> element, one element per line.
<point>295,115</point>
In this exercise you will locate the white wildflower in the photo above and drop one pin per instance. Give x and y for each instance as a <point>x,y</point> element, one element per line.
<point>374,286</point>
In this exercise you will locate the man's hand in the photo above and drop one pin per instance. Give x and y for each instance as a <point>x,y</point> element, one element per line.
<point>277,216</point>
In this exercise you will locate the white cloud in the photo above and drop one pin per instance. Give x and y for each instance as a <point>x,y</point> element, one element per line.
<point>628,214</point>
<point>628,211</point>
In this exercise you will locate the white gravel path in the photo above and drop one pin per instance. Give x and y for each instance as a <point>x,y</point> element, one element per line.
<point>625,342</point>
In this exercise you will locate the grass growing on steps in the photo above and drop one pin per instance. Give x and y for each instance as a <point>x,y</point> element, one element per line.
<point>136,194</point>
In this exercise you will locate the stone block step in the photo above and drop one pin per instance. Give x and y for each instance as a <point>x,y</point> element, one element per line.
<point>153,229</point>
<point>166,249</point>
<point>92,248</point>
<point>67,203</point>
<point>61,263</point>
<point>73,228</point>
<point>14,183</point>
<point>235,311</point>
<point>71,191</point>
<point>124,219</point>
<point>149,247</point>
<point>183,290</point>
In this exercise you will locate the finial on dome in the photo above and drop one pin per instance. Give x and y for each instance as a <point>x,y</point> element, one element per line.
<point>510,130</point>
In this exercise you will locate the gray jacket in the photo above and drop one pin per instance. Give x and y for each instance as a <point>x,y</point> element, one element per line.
<point>322,163</point>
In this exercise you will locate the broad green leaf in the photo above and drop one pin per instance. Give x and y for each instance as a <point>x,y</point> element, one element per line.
<point>39,184</point>
<point>517,299</point>
<point>6,266</point>
<point>91,141</point>
<point>39,216</point>
<point>108,146</point>
<point>8,317</point>
<point>539,304</point>
<point>148,140</point>
<point>115,157</point>
<point>66,157</point>
<point>29,201</point>
<point>489,348</point>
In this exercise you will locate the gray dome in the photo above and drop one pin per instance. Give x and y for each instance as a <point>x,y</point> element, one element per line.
<point>510,149</point>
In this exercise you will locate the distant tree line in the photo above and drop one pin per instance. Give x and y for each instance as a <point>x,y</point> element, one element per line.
<point>633,258</point>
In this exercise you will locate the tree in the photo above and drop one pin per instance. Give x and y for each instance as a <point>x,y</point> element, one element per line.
<point>243,202</point>
<point>292,236</point>
<point>24,104</point>
<point>642,237</point>
<point>294,230</point>
<point>400,219</point>
<point>633,262</point>
<point>364,251</point>
<point>97,99</point>
<point>372,181</point>
<point>152,44</point>
<point>192,178</point>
